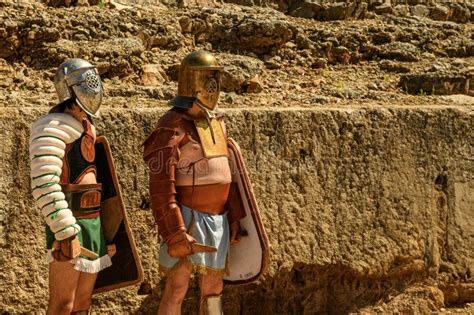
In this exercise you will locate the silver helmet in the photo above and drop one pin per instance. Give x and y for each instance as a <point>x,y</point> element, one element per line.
<point>78,78</point>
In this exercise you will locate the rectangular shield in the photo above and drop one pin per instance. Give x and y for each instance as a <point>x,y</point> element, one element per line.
<point>249,258</point>
<point>126,267</point>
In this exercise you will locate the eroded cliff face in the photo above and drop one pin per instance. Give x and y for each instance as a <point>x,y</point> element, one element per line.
<point>360,205</point>
<point>366,191</point>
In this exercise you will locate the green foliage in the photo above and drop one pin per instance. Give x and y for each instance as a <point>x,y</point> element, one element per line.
<point>101,4</point>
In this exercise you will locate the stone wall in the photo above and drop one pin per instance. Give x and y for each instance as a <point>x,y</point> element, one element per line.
<point>359,204</point>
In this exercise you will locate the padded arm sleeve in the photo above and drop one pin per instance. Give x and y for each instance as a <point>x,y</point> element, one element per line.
<point>161,155</point>
<point>48,139</point>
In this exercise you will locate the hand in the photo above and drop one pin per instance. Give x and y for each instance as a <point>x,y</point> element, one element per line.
<point>180,246</point>
<point>235,233</point>
<point>67,249</point>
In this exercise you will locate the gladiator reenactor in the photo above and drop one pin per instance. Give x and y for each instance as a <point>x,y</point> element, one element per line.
<point>75,186</point>
<point>200,195</point>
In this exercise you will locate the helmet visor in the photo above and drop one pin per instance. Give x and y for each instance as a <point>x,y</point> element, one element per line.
<point>88,89</point>
<point>206,87</point>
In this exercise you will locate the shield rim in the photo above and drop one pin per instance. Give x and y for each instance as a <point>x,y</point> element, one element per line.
<point>262,235</point>
<point>103,140</point>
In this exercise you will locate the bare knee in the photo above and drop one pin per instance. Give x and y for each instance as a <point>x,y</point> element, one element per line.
<point>82,303</point>
<point>60,306</point>
<point>176,290</point>
<point>211,285</point>
<point>83,295</point>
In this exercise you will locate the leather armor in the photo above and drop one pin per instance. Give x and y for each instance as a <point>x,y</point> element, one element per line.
<point>181,175</point>
<point>79,160</point>
<point>79,157</point>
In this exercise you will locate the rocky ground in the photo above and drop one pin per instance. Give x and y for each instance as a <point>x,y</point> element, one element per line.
<point>270,59</point>
<point>292,54</point>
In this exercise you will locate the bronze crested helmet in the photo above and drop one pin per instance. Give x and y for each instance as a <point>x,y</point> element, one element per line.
<point>198,81</point>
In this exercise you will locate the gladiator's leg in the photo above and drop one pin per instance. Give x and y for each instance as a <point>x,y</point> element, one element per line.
<point>63,279</point>
<point>211,289</point>
<point>175,291</point>
<point>82,299</point>
<point>211,305</point>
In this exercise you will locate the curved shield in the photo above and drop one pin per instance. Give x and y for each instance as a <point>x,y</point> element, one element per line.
<point>126,267</point>
<point>249,258</point>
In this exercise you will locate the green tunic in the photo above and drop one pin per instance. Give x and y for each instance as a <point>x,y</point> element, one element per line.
<point>91,236</point>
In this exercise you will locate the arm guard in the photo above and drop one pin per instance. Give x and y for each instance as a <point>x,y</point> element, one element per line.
<point>161,154</point>
<point>48,139</point>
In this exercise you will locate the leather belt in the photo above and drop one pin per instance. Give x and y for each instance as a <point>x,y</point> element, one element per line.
<point>83,199</point>
<point>210,199</point>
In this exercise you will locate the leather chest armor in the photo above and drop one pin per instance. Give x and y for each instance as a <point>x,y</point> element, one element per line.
<point>79,158</point>
<point>193,167</point>
<point>180,174</point>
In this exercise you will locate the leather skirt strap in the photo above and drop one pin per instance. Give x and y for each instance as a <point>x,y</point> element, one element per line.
<point>83,198</point>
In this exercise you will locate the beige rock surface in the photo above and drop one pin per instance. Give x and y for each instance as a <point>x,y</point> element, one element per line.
<point>359,204</point>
